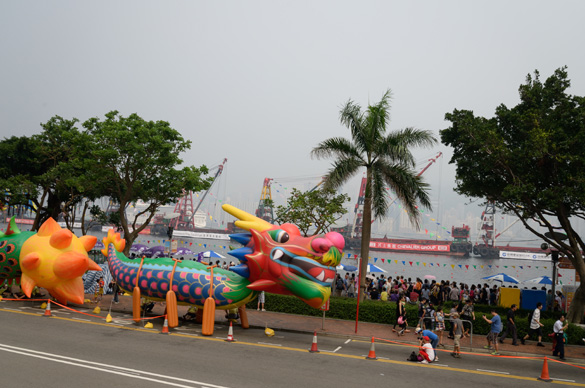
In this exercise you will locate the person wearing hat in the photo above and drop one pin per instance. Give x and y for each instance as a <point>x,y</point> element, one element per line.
<point>426,351</point>
<point>433,338</point>
<point>457,333</point>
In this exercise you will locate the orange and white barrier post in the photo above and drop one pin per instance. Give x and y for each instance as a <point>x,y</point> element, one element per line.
<point>372,353</point>
<point>230,337</point>
<point>48,310</point>
<point>314,344</point>
<point>165,329</point>
<point>544,375</point>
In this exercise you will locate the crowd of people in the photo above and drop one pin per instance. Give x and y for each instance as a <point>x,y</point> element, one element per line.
<point>433,320</point>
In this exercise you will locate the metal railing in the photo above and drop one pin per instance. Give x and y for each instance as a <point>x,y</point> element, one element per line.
<point>451,322</point>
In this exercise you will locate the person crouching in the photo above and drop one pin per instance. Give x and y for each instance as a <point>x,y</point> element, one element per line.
<point>426,351</point>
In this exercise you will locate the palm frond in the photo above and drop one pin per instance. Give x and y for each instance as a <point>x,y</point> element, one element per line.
<point>379,198</point>
<point>409,188</point>
<point>342,170</point>
<point>335,146</point>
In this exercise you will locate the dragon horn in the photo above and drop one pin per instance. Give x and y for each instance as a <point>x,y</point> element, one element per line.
<point>247,221</point>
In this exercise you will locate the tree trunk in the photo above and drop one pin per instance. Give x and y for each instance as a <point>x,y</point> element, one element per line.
<point>577,308</point>
<point>366,235</point>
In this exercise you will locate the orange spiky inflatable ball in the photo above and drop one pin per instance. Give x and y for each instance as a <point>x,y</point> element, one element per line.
<point>54,259</point>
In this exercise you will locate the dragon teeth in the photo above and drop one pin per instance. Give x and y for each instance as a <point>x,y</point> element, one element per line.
<point>277,254</point>
<point>321,276</point>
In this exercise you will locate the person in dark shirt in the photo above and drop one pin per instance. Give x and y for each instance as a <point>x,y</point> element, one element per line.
<point>374,295</point>
<point>510,326</point>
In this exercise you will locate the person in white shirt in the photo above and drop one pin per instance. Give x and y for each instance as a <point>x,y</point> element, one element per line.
<point>426,351</point>
<point>535,326</point>
<point>559,331</point>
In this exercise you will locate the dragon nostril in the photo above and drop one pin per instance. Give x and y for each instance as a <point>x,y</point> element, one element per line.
<point>321,245</point>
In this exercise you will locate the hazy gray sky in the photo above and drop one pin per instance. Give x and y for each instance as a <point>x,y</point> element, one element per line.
<point>262,82</point>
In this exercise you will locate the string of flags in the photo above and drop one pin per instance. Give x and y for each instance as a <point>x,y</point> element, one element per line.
<point>453,266</point>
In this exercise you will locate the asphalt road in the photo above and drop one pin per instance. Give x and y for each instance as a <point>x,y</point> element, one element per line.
<point>73,350</point>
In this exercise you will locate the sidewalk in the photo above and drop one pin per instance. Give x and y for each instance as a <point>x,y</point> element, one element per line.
<point>346,329</point>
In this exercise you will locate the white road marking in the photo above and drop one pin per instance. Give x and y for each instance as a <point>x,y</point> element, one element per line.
<point>128,372</point>
<point>348,341</point>
<point>569,381</point>
<point>268,343</point>
<point>82,319</point>
<point>493,371</point>
<point>336,349</point>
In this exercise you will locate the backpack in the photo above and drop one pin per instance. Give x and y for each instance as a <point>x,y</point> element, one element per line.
<point>339,284</point>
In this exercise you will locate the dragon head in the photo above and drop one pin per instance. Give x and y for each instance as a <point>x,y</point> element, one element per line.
<point>277,259</point>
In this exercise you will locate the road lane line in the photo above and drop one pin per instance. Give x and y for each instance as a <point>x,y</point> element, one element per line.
<point>336,349</point>
<point>128,372</point>
<point>493,371</point>
<point>268,343</point>
<point>569,381</point>
<point>348,341</point>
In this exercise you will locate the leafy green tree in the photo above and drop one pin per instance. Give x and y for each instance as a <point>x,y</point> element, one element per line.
<point>388,162</point>
<point>530,161</point>
<point>45,171</point>
<point>314,210</point>
<point>138,160</point>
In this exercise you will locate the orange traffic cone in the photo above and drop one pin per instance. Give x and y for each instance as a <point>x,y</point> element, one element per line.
<point>48,310</point>
<point>165,329</point>
<point>230,337</point>
<point>544,375</point>
<point>314,344</point>
<point>372,353</point>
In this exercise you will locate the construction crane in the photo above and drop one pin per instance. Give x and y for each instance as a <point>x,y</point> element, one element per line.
<point>265,210</point>
<point>184,208</point>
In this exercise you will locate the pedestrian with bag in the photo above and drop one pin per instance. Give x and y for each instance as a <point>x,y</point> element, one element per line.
<point>559,331</point>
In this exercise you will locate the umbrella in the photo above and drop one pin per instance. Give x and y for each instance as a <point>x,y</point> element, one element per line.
<point>154,252</point>
<point>502,277</point>
<point>184,251</point>
<point>98,245</point>
<point>374,268</point>
<point>138,248</point>
<point>348,268</point>
<point>212,254</point>
<point>431,277</point>
<point>540,280</point>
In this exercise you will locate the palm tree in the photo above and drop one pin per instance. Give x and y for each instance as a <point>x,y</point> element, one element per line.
<point>388,162</point>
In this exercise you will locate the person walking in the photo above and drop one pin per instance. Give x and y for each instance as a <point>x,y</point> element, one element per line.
<point>261,301</point>
<point>495,329</point>
<point>510,326</point>
<point>457,332</point>
<point>468,314</point>
<point>535,326</point>
<point>559,330</point>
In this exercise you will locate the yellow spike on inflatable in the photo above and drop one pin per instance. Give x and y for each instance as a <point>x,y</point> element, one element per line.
<point>27,284</point>
<point>61,239</point>
<point>69,290</point>
<point>88,242</point>
<point>30,261</point>
<point>48,228</point>
<point>247,220</point>
<point>70,265</point>
<point>93,266</point>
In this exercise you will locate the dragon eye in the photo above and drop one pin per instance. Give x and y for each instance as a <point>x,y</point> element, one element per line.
<point>280,236</point>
